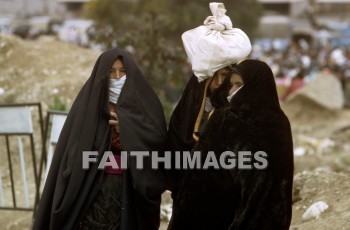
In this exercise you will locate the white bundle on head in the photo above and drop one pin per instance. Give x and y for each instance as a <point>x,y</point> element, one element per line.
<point>216,44</point>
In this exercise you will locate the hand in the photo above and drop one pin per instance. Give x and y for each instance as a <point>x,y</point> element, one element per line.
<point>114,121</point>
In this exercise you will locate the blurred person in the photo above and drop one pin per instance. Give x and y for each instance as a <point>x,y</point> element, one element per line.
<point>337,57</point>
<point>237,198</point>
<point>297,83</point>
<point>305,60</point>
<point>282,83</point>
<point>211,49</point>
<point>116,110</point>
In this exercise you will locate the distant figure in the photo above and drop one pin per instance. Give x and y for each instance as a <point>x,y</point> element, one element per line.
<point>296,84</point>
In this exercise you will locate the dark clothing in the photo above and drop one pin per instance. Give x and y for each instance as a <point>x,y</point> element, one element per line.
<point>184,117</point>
<point>241,199</point>
<point>181,127</point>
<point>105,211</point>
<point>182,122</point>
<point>188,119</point>
<point>69,189</point>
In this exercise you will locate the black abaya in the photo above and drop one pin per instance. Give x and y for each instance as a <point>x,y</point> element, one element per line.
<point>241,199</point>
<point>69,189</point>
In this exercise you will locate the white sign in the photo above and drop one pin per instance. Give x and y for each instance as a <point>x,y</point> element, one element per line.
<point>15,120</point>
<point>57,125</point>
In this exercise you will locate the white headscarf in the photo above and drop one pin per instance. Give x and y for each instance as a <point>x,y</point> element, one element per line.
<point>115,87</point>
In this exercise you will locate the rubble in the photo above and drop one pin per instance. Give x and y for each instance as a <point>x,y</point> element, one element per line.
<point>322,184</point>
<point>315,210</point>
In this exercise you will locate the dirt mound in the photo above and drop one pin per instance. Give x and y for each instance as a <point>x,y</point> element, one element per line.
<point>322,162</point>
<point>325,90</point>
<point>38,70</point>
<point>307,116</point>
<point>322,184</point>
<point>317,108</point>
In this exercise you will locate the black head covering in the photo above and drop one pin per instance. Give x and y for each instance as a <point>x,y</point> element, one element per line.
<point>69,189</point>
<point>263,126</point>
<point>257,105</point>
<point>258,96</point>
<point>237,198</point>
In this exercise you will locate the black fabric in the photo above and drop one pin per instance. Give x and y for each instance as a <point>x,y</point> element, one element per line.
<point>239,199</point>
<point>69,189</point>
<point>219,97</point>
<point>105,212</point>
<point>183,119</point>
<point>181,126</point>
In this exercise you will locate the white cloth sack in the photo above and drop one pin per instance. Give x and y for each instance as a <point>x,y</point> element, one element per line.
<point>216,44</point>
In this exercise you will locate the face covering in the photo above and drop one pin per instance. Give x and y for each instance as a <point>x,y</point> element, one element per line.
<point>229,98</point>
<point>115,87</point>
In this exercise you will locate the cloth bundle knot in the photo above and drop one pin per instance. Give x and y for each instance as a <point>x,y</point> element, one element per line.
<point>216,44</point>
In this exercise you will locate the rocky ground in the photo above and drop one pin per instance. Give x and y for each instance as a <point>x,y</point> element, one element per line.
<point>41,70</point>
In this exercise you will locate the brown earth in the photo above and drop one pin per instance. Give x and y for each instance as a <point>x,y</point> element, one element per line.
<point>39,70</point>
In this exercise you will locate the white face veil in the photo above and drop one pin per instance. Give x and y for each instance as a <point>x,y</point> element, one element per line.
<point>229,98</point>
<point>115,87</point>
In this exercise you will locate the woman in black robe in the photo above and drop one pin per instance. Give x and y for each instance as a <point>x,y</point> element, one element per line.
<point>185,122</point>
<point>242,199</point>
<point>70,190</point>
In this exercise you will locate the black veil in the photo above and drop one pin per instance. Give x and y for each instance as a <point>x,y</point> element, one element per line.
<point>69,189</point>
